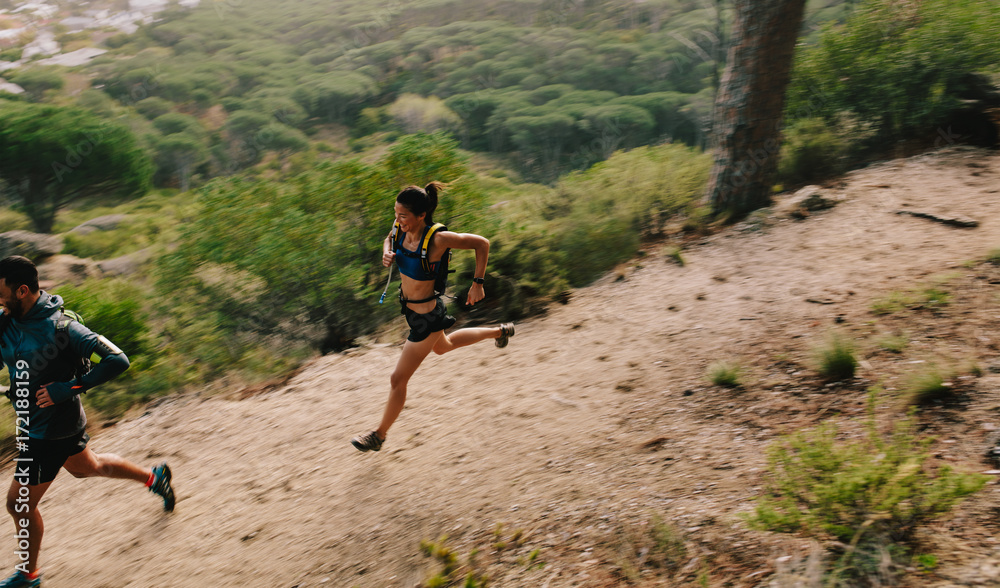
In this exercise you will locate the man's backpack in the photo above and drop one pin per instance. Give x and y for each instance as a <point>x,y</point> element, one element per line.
<point>441,275</point>
<point>81,365</point>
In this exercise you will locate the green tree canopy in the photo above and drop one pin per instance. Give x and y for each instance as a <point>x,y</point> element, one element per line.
<point>175,122</point>
<point>176,157</point>
<point>153,107</point>
<point>52,155</point>
<point>336,96</point>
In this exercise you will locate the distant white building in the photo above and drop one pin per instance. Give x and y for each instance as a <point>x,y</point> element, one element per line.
<point>147,5</point>
<point>74,58</point>
<point>44,44</point>
<point>75,24</point>
<point>151,6</point>
<point>39,9</point>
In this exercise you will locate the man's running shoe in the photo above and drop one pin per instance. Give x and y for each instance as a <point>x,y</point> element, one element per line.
<point>21,580</point>
<point>506,332</point>
<point>161,486</point>
<point>368,442</point>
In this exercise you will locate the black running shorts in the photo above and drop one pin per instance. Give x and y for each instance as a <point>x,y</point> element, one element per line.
<point>422,325</point>
<point>42,458</point>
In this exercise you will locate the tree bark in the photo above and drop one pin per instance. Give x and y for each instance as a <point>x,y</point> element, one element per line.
<point>747,132</point>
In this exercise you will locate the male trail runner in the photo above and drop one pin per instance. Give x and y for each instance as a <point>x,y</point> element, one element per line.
<point>42,348</point>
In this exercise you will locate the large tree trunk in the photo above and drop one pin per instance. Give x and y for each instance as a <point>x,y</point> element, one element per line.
<point>38,204</point>
<point>750,102</point>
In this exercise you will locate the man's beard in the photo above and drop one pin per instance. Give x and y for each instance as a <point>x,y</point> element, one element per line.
<point>16,308</point>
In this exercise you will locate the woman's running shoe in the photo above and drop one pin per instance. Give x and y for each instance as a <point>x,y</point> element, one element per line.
<point>368,442</point>
<point>506,332</point>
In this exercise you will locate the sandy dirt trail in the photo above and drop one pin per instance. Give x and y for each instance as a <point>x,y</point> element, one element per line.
<point>596,415</point>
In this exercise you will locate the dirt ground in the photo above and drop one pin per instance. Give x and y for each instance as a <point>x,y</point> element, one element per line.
<point>554,457</point>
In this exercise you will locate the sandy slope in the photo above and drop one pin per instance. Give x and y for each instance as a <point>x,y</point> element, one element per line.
<point>596,416</point>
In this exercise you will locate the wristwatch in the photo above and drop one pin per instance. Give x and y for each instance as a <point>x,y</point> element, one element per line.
<point>479,280</point>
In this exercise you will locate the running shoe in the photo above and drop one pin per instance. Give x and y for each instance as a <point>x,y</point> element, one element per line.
<point>21,580</point>
<point>506,332</point>
<point>161,486</point>
<point>368,442</point>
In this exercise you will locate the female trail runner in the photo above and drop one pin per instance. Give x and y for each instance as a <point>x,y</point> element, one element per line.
<point>424,310</point>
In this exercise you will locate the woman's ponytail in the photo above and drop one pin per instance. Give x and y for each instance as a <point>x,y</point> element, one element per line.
<point>432,189</point>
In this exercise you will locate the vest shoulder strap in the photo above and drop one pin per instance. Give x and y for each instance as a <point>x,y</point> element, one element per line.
<point>396,235</point>
<point>425,243</point>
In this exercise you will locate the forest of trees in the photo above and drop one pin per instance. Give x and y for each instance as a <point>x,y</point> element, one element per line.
<point>535,111</point>
<point>548,86</point>
<point>250,151</point>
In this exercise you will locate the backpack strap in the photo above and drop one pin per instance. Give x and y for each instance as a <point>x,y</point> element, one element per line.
<point>396,236</point>
<point>425,244</point>
<point>65,318</point>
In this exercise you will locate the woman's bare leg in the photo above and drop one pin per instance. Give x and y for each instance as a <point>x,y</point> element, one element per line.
<point>463,337</point>
<point>409,361</point>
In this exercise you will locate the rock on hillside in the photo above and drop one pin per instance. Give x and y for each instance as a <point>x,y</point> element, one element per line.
<point>31,245</point>
<point>108,222</point>
<point>68,269</point>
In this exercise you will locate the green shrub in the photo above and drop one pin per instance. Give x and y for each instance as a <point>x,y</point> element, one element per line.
<point>929,297</point>
<point>926,385</point>
<point>934,297</point>
<point>592,220</point>
<point>11,54</point>
<point>724,373</point>
<point>811,152</point>
<point>836,358</point>
<point>673,252</point>
<point>899,70</point>
<point>169,345</point>
<point>893,343</point>
<point>12,220</point>
<point>452,573</point>
<point>869,494</point>
<point>893,303</point>
<point>993,256</point>
<point>113,308</point>
<point>654,544</point>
